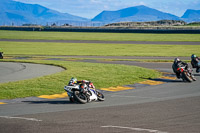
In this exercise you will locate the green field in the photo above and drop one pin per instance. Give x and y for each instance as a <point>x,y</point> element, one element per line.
<point>40,48</point>
<point>97,36</point>
<point>103,75</point>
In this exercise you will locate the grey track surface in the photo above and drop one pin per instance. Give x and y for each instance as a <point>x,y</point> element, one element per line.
<point>107,42</point>
<point>171,107</point>
<point>110,57</point>
<point>10,71</point>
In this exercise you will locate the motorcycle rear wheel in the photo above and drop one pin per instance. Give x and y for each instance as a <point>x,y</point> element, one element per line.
<point>80,97</point>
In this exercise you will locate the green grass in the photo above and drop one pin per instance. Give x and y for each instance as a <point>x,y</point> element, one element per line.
<point>102,75</point>
<point>97,36</point>
<point>31,48</point>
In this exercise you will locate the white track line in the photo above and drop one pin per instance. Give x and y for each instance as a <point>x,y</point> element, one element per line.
<point>135,129</point>
<point>22,118</point>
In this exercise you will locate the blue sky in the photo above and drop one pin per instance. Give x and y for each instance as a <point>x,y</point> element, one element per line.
<point>90,8</point>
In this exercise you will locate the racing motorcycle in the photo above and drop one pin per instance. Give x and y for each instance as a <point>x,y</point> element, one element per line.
<point>83,94</point>
<point>185,73</point>
<point>1,55</point>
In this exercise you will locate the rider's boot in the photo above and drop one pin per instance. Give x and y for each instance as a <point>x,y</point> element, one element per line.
<point>178,75</point>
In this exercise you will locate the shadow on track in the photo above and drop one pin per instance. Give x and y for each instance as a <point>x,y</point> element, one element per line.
<point>167,80</point>
<point>49,102</point>
<point>53,102</point>
<point>197,74</point>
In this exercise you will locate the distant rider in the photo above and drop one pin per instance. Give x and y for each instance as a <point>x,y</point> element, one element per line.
<point>177,64</point>
<point>195,62</point>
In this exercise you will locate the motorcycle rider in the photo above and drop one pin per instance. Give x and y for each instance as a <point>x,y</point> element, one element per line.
<point>73,81</point>
<point>177,64</point>
<point>195,62</point>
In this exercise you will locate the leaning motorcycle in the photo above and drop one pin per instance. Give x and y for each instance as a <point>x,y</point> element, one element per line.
<point>185,74</point>
<point>83,94</point>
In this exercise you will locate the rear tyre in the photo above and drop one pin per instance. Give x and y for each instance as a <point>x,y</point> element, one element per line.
<point>80,97</point>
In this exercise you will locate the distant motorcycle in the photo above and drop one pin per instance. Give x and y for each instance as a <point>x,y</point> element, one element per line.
<point>185,74</point>
<point>1,55</point>
<point>83,94</point>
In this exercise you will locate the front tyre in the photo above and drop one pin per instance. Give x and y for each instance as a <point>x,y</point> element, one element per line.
<point>80,97</point>
<point>187,77</point>
<point>100,96</point>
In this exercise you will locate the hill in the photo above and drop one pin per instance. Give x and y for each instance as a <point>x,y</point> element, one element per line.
<point>18,13</point>
<point>191,15</point>
<point>134,14</point>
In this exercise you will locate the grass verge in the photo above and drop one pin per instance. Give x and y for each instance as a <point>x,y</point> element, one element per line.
<point>103,75</point>
<point>96,36</point>
<point>42,48</point>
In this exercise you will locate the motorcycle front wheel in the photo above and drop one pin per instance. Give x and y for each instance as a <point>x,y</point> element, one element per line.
<point>80,97</point>
<point>100,96</point>
<point>187,77</point>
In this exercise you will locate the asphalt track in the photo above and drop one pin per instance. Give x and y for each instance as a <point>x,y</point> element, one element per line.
<point>171,107</point>
<point>106,42</point>
<point>10,71</point>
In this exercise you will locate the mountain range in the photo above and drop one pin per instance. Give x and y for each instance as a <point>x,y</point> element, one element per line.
<point>18,13</point>
<point>21,13</point>
<point>138,13</point>
<point>191,16</point>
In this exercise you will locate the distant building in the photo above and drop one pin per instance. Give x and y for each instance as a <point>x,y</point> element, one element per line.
<point>151,23</point>
<point>30,25</point>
